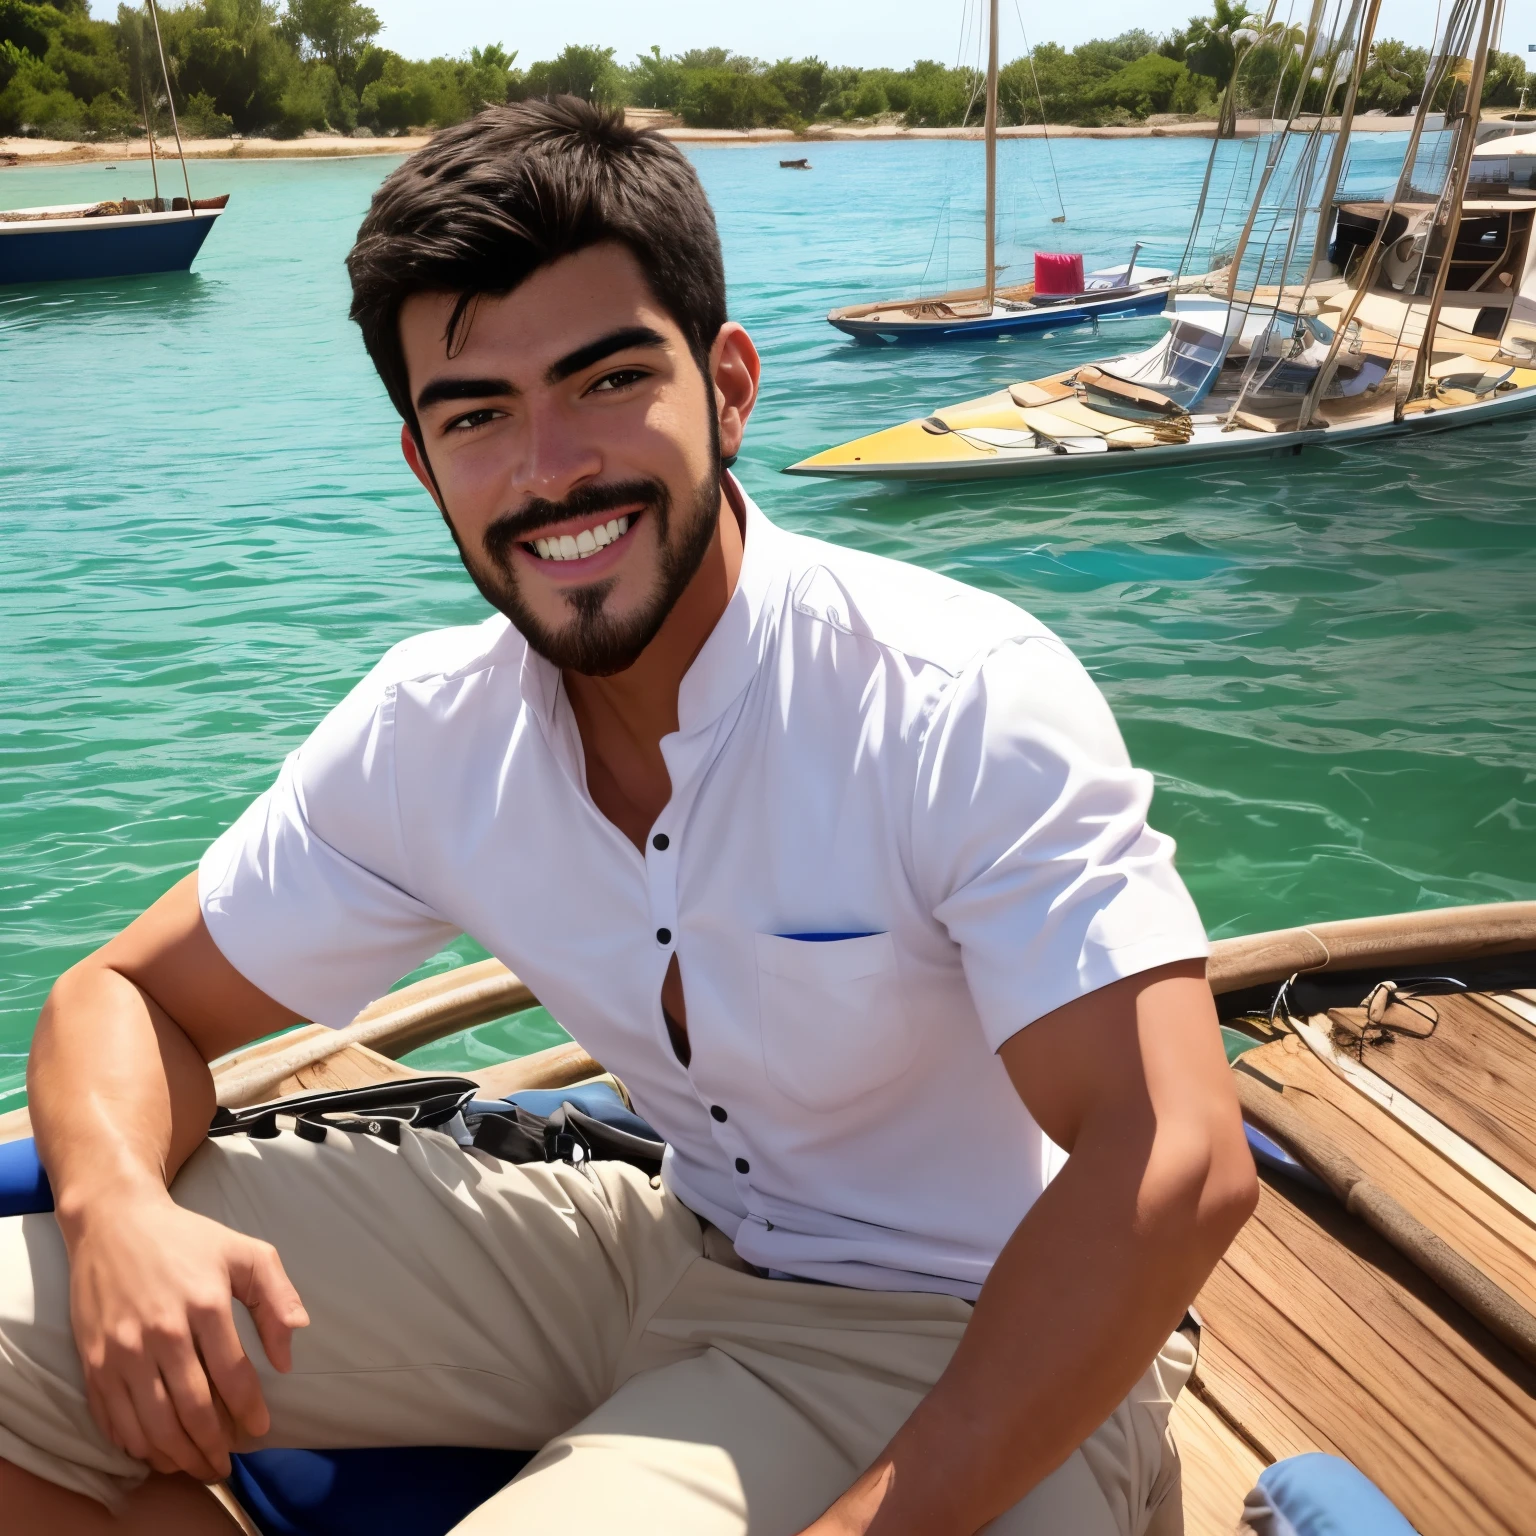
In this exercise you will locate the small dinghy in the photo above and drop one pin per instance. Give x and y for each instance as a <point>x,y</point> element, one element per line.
<point>115,239</point>
<point>122,238</point>
<point>1060,295</point>
<point>1367,1347</point>
<point>794,165</point>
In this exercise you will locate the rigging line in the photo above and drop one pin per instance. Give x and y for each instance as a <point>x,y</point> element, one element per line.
<point>148,127</point>
<point>170,98</point>
<point>1370,263</point>
<point>1045,132</point>
<point>1302,179</point>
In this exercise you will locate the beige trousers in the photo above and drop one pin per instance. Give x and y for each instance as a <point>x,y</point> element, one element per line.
<point>457,1300</point>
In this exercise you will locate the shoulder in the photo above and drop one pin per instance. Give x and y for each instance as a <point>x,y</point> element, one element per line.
<point>355,739</point>
<point>444,656</point>
<point>903,610</point>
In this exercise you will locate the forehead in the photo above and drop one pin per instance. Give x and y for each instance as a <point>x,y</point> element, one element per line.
<point>559,308</point>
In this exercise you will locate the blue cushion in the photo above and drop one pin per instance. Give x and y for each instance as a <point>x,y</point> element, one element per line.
<point>24,1189</point>
<point>1321,1495</point>
<point>411,1491</point>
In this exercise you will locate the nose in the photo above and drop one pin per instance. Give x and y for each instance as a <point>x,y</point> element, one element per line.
<point>557,454</point>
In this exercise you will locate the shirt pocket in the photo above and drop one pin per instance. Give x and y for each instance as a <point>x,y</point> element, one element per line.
<point>833,1022</point>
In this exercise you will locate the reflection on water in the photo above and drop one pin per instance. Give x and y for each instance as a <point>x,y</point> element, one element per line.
<point>1327,660</point>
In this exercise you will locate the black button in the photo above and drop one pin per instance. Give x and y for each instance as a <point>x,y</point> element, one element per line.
<point>743,1166</point>
<point>718,1113</point>
<point>660,842</point>
<point>663,935</point>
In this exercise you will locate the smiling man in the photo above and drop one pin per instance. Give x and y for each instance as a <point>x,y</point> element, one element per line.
<point>840,865</point>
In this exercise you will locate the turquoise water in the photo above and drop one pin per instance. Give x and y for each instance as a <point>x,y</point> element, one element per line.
<point>208,534</point>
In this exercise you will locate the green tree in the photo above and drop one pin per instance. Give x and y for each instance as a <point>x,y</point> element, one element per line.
<point>1147,85</point>
<point>585,71</point>
<point>657,81</point>
<point>333,31</point>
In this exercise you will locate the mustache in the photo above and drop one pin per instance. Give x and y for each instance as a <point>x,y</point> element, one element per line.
<point>586,501</point>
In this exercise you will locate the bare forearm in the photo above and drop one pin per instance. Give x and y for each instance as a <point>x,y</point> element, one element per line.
<point>1079,1302</point>
<point>119,1095</point>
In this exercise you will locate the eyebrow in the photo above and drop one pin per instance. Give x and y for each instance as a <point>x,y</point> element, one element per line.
<point>625,339</point>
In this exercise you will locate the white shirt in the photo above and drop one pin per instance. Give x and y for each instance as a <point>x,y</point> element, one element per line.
<point>864,750</point>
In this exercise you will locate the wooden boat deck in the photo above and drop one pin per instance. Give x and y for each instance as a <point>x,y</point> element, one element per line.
<point>1320,1336</point>
<point>1316,1334</point>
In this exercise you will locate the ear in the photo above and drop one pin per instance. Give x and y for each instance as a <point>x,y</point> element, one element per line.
<point>418,462</point>
<point>734,368</point>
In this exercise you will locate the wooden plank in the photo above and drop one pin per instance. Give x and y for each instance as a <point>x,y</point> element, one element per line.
<point>1499,1182</point>
<point>1474,1072</point>
<point>1394,1334</point>
<point>1319,1336</point>
<point>1288,1379</point>
<point>1479,1227</point>
<point>1234,1377</point>
<point>1217,1468</point>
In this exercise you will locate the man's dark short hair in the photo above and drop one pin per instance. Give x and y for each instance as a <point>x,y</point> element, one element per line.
<point>490,201</point>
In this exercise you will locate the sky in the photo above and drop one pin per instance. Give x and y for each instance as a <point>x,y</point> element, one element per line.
<point>889,33</point>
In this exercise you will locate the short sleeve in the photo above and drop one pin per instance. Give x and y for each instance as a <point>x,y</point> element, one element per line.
<point>307,894</point>
<point>1030,838</point>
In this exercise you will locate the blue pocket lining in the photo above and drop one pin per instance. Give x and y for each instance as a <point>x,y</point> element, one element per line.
<point>823,938</point>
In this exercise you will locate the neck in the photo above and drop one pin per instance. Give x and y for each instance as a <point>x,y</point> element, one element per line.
<point>642,700</point>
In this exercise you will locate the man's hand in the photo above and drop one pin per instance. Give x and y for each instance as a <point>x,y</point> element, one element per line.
<point>152,1287</point>
<point>151,1295</point>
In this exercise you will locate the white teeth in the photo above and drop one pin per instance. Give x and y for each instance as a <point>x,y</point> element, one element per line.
<point>587,542</point>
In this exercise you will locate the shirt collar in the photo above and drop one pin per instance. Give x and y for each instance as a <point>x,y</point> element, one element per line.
<point>730,657</point>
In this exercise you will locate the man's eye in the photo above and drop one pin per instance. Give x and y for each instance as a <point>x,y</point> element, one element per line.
<point>620,378</point>
<point>471,419</point>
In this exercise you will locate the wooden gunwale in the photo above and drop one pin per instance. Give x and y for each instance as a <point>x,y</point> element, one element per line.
<point>475,994</point>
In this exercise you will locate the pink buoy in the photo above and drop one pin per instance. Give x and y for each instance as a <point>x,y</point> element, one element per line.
<point>1058,273</point>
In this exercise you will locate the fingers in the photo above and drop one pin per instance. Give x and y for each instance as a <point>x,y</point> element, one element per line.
<point>186,1390</point>
<point>230,1371</point>
<point>133,1408</point>
<point>162,1427</point>
<point>261,1282</point>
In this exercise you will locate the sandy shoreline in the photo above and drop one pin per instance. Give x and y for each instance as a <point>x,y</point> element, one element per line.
<point>62,152</point>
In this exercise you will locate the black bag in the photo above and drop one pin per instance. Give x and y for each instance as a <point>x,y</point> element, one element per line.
<point>446,1104</point>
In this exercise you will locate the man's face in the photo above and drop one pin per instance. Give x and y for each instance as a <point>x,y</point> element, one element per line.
<point>575,448</point>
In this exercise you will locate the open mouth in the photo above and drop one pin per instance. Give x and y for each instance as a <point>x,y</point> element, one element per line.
<point>582,545</point>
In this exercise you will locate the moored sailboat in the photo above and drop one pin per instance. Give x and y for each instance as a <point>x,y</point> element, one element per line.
<point>1327,317</point>
<point>121,238</point>
<point>1061,293</point>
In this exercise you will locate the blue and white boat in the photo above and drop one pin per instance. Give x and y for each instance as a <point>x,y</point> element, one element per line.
<point>1112,294</point>
<point>94,240</point>
<point>122,238</point>
<point>1060,295</point>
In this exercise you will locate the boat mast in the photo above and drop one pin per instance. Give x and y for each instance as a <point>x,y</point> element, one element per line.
<point>154,16</point>
<point>1341,145</point>
<point>1461,171</point>
<point>992,159</point>
<point>149,128</point>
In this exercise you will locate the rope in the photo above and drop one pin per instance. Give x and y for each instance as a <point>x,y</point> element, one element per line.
<point>170,97</point>
<point>1045,131</point>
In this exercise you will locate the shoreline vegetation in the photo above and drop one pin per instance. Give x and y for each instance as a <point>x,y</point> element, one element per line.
<point>259,78</point>
<point>319,146</point>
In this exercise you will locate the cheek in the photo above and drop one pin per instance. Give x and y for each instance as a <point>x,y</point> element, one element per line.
<point>472,478</point>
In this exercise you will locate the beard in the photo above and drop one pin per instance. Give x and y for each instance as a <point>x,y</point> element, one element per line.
<point>595,642</point>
